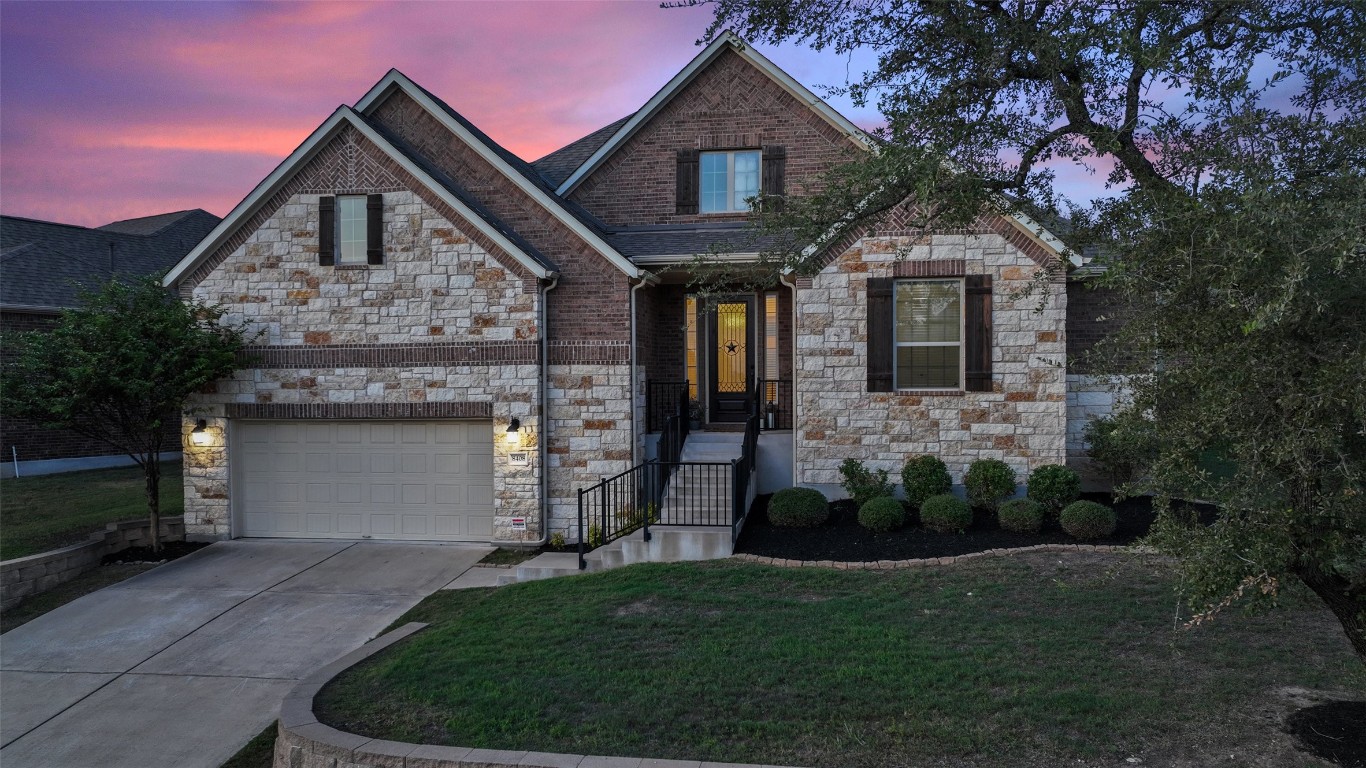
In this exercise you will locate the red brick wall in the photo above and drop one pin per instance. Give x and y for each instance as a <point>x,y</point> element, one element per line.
<point>1092,315</point>
<point>730,105</point>
<point>590,303</point>
<point>36,443</point>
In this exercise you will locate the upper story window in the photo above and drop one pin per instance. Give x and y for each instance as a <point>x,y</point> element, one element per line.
<point>350,230</point>
<point>729,180</point>
<point>929,334</point>
<point>351,235</point>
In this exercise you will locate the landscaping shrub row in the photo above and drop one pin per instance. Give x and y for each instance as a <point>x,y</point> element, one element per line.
<point>1052,496</point>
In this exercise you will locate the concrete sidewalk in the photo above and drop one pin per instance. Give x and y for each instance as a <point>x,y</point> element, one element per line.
<point>181,665</point>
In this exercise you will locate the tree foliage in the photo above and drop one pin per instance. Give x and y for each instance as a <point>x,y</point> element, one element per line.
<point>118,367</point>
<point>1233,137</point>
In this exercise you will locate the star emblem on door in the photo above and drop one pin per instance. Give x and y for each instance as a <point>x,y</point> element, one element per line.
<point>732,347</point>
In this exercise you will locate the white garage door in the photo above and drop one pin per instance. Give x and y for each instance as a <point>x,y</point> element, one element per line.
<point>364,479</point>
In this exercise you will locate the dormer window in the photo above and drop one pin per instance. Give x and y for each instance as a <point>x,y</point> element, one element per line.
<point>729,180</point>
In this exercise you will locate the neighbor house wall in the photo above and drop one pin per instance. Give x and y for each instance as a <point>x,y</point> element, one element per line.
<point>1023,421</point>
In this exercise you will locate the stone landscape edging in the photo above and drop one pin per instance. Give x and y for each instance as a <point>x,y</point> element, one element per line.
<point>924,562</point>
<point>34,574</point>
<point>304,742</point>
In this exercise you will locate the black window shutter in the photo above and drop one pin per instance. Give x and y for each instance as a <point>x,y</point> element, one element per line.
<point>327,230</point>
<point>977,326</point>
<point>686,191</point>
<point>774,184</point>
<point>880,347</point>
<point>374,229</point>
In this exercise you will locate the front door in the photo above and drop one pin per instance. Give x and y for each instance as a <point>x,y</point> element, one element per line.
<point>732,370</point>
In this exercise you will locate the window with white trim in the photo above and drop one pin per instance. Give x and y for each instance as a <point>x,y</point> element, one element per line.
<point>929,334</point>
<point>729,180</point>
<point>351,232</point>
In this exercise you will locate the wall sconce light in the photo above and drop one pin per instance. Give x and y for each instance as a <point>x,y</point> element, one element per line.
<point>199,436</point>
<point>514,429</point>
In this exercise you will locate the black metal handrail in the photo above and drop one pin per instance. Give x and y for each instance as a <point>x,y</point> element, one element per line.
<point>663,400</point>
<point>773,403</point>
<point>742,478</point>
<point>618,506</point>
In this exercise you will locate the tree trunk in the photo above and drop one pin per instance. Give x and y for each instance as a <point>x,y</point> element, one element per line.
<point>152,470</point>
<point>1349,609</point>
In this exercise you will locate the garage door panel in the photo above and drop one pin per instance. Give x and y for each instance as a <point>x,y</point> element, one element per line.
<point>414,480</point>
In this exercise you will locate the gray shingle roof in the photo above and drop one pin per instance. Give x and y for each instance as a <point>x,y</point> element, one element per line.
<point>558,165</point>
<point>687,240</point>
<point>148,225</point>
<point>45,264</point>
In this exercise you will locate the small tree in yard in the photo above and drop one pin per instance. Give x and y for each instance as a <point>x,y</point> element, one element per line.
<point>116,368</point>
<point>1234,135</point>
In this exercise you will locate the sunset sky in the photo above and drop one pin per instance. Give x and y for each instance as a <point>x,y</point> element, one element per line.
<point>115,110</point>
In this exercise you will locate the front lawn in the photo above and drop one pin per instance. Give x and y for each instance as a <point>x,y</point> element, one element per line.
<point>1040,659</point>
<point>50,511</point>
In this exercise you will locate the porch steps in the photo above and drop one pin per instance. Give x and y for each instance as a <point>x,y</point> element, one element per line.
<point>703,496</point>
<point>667,545</point>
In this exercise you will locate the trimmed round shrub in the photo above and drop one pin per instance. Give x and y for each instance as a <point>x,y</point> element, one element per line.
<point>798,508</point>
<point>882,514</point>
<point>1053,486</point>
<point>946,513</point>
<point>1021,515</point>
<point>923,477</point>
<point>1087,520</point>
<point>988,481</point>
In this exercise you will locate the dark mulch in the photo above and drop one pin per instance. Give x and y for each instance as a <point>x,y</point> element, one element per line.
<point>1335,731</point>
<point>170,550</point>
<point>843,539</point>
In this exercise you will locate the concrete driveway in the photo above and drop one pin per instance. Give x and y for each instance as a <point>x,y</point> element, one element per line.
<point>181,665</point>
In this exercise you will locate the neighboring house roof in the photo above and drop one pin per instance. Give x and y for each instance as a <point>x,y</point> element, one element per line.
<point>44,265</point>
<point>556,166</point>
<point>344,116</point>
<point>727,40</point>
<point>515,169</point>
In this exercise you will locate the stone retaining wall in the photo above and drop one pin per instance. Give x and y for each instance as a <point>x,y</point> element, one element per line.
<point>24,576</point>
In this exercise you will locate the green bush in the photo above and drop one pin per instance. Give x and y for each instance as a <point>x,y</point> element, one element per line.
<point>1021,515</point>
<point>1088,520</point>
<point>1122,445</point>
<point>1053,486</point>
<point>798,508</point>
<point>988,481</point>
<point>861,485</point>
<point>882,514</point>
<point>946,513</point>
<point>923,477</point>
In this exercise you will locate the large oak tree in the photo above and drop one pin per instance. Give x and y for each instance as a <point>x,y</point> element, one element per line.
<point>1232,137</point>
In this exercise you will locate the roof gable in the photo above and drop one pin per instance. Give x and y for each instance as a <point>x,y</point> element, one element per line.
<point>344,116</point>
<point>516,170</point>
<point>726,41</point>
<point>556,166</point>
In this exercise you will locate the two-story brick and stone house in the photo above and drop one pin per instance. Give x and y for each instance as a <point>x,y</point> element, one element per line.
<point>455,341</point>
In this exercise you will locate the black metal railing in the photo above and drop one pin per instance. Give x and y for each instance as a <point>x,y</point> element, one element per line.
<point>773,403</point>
<point>743,486</point>
<point>618,506</point>
<point>663,400</point>
<point>694,492</point>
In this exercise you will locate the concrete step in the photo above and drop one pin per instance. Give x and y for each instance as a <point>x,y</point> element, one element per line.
<point>714,437</point>
<point>668,544</point>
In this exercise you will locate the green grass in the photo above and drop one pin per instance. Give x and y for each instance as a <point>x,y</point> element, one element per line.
<point>34,606</point>
<point>50,511</point>
<point>1030,660</point>
<point>258,753</point>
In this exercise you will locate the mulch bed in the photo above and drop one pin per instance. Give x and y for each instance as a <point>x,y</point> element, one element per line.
<point>170,550</point>
<point>843,539</point>
<point>1335,731</point>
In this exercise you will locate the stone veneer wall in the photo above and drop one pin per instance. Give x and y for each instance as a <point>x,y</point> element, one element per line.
<point>441,329</point>
<point>590,434</point>
<point>1088,397</point>
<point>1022,422</point>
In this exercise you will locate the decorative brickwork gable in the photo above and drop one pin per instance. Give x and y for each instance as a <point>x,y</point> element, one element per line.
<point>590,303</point>
<point>730,105</point>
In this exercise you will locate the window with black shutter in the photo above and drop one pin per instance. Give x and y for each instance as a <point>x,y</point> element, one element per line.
<point>327,231</point>
<point>929,334</point>
<point>686,189</point>
<point>775,177</point>
<point>351,230</point>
